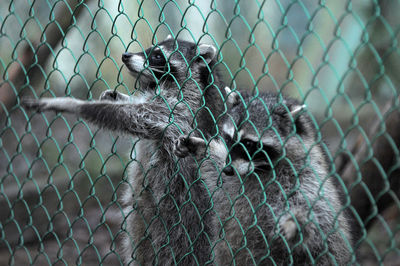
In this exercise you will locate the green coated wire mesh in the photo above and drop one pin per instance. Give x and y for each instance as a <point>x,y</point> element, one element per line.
<point>61,178</point>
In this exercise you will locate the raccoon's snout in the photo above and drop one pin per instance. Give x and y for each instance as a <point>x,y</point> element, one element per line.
<point>126,56</point>
<point>228,170</point>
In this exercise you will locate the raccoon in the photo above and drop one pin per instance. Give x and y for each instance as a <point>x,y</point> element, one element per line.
<point>166,204</point>
<point>274,200</point>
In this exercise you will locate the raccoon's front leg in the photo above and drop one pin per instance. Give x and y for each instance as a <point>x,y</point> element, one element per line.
<point>69,105</point>
<point>62,104</point>
<point>145,120</point>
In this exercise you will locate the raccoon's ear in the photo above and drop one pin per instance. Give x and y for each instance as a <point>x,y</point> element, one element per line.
<point>232,96</point>
<point>296,109</point>
<point>301,127</point>
<point>169,37</point>
<point>207,51</point>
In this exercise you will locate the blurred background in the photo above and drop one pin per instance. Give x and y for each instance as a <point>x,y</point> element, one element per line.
<point>60,177</point>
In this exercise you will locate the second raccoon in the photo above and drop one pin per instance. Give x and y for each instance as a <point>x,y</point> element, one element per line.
<point>273,198</point>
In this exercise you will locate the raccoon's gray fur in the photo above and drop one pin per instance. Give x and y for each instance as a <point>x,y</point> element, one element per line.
<point>166,203</point>
<point>275,202</point>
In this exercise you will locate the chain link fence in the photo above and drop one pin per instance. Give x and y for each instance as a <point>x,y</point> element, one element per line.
<point>61,178</point>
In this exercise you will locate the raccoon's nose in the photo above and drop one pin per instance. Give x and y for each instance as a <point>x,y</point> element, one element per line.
<point>228,170</point>
<point>126,56</point>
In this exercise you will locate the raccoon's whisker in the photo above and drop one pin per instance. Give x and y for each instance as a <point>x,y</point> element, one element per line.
<point>163,83</point>
<point>260,169</point>
<point>260,163</point>
<point>156,70</point>
<point>161,71</point>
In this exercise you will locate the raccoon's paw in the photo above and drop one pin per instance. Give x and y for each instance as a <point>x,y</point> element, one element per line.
<point>180,149</point>
<point>61,104</point>
<point>113,96</point>
<point>288,227</point>
<point>34,104</point>
<point>186,145</point>
<point>182,146</point>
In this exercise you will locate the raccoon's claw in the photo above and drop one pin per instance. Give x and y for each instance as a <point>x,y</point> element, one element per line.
<point>110,95</point>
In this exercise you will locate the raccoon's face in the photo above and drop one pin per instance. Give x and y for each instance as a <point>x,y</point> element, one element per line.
<point>259,134</point>
<point>167,61</point>
<point>248,150</point>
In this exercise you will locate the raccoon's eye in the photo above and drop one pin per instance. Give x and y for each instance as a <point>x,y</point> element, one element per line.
<point>157,58</point>
<point>272,152</point>
<point>250,145</point>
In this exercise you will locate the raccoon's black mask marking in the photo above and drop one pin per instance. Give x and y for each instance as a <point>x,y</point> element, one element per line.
<point>249,150</point>
<point>172,61</point>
